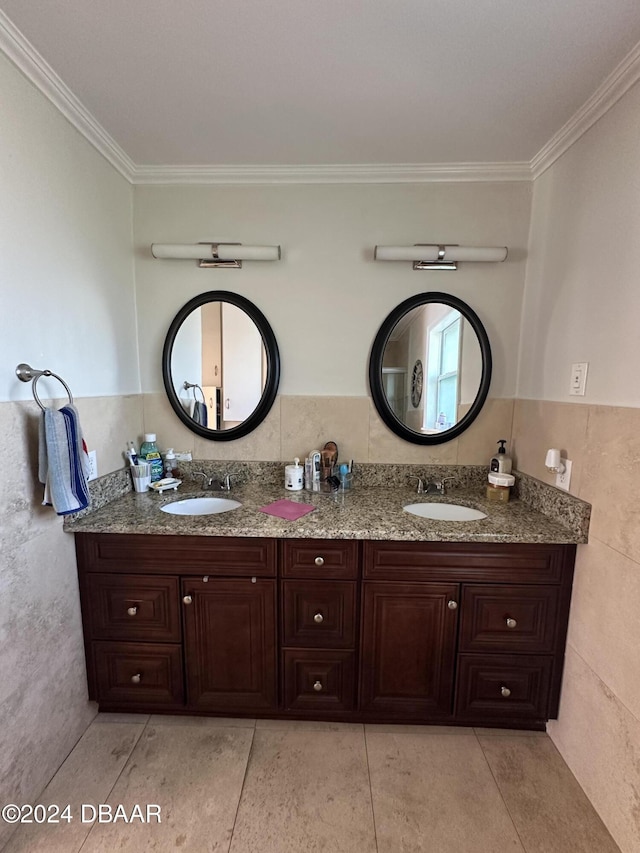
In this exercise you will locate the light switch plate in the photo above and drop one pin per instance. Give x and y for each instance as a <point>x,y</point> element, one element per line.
<point>578,383</point>
<point>563,481</point>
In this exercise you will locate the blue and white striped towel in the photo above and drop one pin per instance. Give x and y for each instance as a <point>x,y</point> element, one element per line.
<point>63,461</point>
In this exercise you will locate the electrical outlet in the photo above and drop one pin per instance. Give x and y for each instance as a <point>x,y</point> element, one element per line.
<point>93,465</point>
<point>563,481</point>
<point>578,383</point>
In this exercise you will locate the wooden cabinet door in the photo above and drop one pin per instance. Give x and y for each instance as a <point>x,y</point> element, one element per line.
<point>408,649</point>
<point>230,644</point>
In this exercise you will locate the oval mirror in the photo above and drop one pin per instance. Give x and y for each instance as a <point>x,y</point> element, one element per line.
<point>430,368</point>
<point>220,365</point>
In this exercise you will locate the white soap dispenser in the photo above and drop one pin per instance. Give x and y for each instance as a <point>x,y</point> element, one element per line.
<point>294,476</point>
<point>501,463</point>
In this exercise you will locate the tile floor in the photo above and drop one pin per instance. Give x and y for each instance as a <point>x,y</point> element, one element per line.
<point>241,786</point>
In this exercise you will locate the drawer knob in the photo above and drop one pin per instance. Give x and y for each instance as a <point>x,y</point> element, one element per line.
<point>136,679</point>
<point>187,599</point>
<point>317,686</point>
<point>511,623</point>
<point>452,605</point>
<point>132,611</point>
<point>319,561</point>
<point>318,618</point>
<point>504,691</point>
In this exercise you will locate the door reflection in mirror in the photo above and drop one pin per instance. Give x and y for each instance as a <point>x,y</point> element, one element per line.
<point>220,355</point>
<point>218,365</point>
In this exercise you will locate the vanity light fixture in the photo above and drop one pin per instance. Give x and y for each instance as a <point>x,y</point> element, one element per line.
<point>554,462</point>
<point>437,256</point>
<point>228,255</point>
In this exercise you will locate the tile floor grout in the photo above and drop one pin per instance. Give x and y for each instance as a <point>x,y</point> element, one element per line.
<point>373,809</point>
<point>117,779</point>
<point>244,779</point>
<point>497,784</point>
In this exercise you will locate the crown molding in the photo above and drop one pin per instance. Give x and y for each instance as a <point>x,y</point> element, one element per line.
<point>621,79</point>
<point>36,69</point>
<point>372,173</point>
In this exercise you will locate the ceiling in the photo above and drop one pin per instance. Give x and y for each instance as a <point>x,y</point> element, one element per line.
<point>206,82</point>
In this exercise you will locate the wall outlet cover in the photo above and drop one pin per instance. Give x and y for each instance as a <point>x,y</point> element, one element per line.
<point>578,384</point>
<point>563,481</point>
<point>93,465</point>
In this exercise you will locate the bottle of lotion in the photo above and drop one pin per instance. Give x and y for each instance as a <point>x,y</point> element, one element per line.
<point>501,463</point>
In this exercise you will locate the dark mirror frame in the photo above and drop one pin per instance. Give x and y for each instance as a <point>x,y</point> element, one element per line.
<point>377,355</point>
<point>273,365</point>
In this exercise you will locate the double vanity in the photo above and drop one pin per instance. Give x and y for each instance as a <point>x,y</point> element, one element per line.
<point>359,611</point>
<point>381,605</point>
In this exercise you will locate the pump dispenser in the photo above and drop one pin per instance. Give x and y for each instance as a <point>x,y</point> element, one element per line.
<point>501,463</point>
<point>294,476</point>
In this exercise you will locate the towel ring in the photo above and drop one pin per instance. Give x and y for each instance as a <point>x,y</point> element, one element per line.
<point>25,373</point>
<point>193,386</point>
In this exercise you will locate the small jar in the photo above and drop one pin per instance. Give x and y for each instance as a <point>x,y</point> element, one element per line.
<point>499,487</point>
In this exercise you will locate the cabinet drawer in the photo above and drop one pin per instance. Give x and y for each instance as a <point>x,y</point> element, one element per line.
<point>318,681</point>
<point>138,674</point>
<point>134,607</point>
<point>319,614</point>
<point>466,561</point>
<point>320,558</point>
<point>508,618</point>
<point>502,687</point>
<point>223,556</point>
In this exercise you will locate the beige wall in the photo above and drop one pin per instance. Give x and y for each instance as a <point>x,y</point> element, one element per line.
<point>66,303</point>
<point>327,298</point>
<point>582,303</point>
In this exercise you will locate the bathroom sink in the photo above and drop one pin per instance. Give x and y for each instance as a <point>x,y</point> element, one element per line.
<point>445,512</point>
<point>200,506</point>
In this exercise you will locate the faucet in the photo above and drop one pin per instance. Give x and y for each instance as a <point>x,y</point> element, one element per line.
<point>435,487</point>
<point>213,484</point>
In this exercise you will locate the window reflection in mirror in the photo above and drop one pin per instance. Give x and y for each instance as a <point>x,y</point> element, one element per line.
<point>446,345</point>
<point>430,368</point>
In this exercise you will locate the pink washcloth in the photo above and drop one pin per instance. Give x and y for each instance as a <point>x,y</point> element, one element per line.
<point>287,509</point>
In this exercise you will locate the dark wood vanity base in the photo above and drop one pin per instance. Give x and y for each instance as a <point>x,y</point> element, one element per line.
<point>357,631</point>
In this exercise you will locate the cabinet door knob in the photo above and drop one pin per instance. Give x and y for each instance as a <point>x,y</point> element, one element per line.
<point>136,679</point>
<point>504,691</point>
<point>132,611</point>
<point>452,605</point>
<point>511,623</point>
<point>317,686</point>
<point>187,599</point>
<point>318,618</point>
<point>319,561</point>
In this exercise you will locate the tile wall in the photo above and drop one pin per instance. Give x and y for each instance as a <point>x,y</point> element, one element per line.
<point>298,424</point>
<point>598,730</point>
<point>42,667</point>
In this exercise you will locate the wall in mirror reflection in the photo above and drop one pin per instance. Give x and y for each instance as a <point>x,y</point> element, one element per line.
<point>448,349</point>
<point>219,351</point>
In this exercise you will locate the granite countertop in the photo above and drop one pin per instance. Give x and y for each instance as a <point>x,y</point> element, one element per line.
<point>370,512</point>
